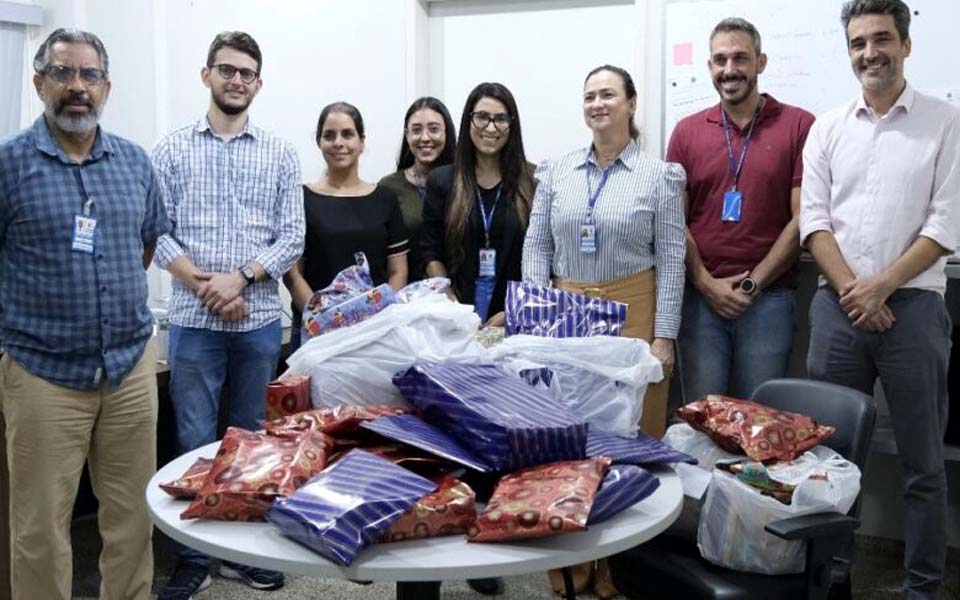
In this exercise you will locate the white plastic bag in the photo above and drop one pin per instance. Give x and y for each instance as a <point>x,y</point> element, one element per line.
<point>355,365</point>
<point>601,378</point>
<point>683,437</point>
<point>734,514</point>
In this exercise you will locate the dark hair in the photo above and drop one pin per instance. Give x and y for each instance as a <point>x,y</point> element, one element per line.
<point>340,107</point>
<point>237,40</point>
<point>515,173</point>
<point>446,155</point>
<point>737,24</point>
<point>69,36</point>
<point>895,8</point>
<point>628,87</point>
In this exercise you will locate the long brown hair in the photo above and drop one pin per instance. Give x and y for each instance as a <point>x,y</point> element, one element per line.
<point>516,178</point>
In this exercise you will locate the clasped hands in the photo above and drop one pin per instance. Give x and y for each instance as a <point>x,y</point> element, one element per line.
<point>221,293</point>
<point>864,300</point>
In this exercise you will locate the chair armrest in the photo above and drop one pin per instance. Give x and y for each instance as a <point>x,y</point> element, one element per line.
<point>825,524</point>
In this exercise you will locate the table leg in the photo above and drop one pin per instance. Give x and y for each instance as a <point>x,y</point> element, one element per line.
<point>418,590</point>
<point>568,583</point>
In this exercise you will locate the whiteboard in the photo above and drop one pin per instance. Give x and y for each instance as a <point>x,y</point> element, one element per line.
<point>808,65</point>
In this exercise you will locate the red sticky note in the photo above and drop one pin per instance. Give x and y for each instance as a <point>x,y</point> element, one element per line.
<point>683,54</point>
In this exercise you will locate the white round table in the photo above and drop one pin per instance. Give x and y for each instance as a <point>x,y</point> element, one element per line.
<point>425,562</point>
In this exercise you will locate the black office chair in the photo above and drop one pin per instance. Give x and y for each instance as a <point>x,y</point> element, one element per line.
<point>668,567</point>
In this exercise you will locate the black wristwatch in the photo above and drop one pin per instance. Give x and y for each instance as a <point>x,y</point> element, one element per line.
<point>248,274</point>
<point>748,286</point>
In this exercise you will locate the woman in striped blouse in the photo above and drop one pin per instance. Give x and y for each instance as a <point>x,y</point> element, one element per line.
<point>607,221</point>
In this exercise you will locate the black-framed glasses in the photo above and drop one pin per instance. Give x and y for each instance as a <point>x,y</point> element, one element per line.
<point>65,74</point>
<point>482,118</point>
<point>228,71</point>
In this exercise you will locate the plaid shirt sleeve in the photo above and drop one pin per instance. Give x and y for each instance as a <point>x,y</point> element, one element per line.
<point>168,248</point>
<point>287,247</point>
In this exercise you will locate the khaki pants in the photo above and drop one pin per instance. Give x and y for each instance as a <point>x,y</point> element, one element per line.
<point>639,292</point>
<point>5,593</point>
<point>50,432</point>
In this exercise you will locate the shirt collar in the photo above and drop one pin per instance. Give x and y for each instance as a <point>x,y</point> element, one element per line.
<point>905,101</point>
<point>248,129</point>
<point>628,156</point>
<point>48,144</point>
<point>771,108</point>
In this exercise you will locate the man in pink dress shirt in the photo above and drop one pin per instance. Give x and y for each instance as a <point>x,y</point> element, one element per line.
<point>880,182</point>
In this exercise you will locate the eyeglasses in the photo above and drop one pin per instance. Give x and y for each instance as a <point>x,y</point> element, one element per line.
<point>482,118</point>
<point>228,71</point>
<point>65,74</point>
<point>433,131</point>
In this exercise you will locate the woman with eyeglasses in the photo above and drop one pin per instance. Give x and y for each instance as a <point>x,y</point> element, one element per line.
<point>608,221</point>
<point>429,139</point>
<point>475,211</point>
<point>345,215</point>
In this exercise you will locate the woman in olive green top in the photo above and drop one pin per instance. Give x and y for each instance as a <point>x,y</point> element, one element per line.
<point>429,139</point>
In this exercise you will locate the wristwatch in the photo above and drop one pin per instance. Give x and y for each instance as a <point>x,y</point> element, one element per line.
<point>748,286</point>
<point>248,274</point>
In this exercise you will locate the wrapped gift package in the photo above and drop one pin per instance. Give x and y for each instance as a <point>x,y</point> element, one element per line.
<point>760,432</point>
<point>540,501</point>
<point>349,299</point>
<point>550,312</point>
<point>420,289</point>
<point>756,476</point>
<point>349,505</point>
<point>640,450</point>
<point>288,395</point>
<point>251,469</point>
<point>504,421</point>
<point>412,430</point>
<point>450,510</point>
<point>342,422</point>
<point>622,487</point>
<point>189,484</point>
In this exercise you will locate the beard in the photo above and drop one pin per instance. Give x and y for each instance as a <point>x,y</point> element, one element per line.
<point>220,100</point>
<point>749,84</point>
<point>886,78</point>
<point>73,123</point>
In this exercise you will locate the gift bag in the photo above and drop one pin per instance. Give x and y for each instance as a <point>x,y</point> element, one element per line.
<point>412,430</point>
<point>622,487</point>
<point>504,421</point>
<point>602,379</point>
<point>288,395</point>
<point>734,514</point>
<point>349,505</point>
<point>640,450</point>
<point>550,312</point>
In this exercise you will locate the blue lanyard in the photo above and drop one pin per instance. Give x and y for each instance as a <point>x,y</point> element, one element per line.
<point>421,190</point>
<point>592,196</point>
<point>735,168</point>
<point>488,219</point>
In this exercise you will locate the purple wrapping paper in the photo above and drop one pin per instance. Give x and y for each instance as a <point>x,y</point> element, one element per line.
<point>349,299</point>
<point>507,423</point>
<point>550,312</point>
<point>622,487</point>
<point>348,505</point>
<point>412,430</point>
<point>641,450</point>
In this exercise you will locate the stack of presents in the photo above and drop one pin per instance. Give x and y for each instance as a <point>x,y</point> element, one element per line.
<point>397,403</point>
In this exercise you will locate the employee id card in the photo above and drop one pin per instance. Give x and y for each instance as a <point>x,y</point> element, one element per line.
<point>488,262</point>
<point>83,234</point>
<point>588,238</point>
<point>732,204</point>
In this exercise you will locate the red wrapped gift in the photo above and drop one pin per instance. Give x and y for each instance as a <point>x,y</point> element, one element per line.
<point>188,485</point>
<point>251,469</point>
<point>448,511</point>
<point>288,395</point>
<point>540,501</point>
<point>341,423</point>
<point>760,432</point>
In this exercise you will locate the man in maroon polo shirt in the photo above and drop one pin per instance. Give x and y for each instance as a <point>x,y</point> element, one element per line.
<point>743,162</point>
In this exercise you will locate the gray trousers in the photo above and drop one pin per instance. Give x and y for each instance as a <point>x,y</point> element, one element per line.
<point>911,360</point>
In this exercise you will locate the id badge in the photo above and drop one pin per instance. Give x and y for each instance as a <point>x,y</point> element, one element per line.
<point>488,262</point>
<point>588,238</point>
<point>83,233</point>
<point>482,297</point>
<point>732,203</point>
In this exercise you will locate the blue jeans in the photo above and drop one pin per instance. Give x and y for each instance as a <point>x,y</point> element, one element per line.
<point>734,356</point>
<point>201,361</point>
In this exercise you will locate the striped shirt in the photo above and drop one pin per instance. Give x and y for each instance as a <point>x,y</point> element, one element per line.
<point>231,202</point>
<point>73,318</point>
<point>638,219</point>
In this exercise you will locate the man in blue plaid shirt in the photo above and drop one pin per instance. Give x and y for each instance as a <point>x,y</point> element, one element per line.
<point>235,198</point>
<point>80,213</point>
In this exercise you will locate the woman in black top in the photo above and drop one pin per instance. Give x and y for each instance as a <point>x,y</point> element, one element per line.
<point>346,215</point>
<point>475,211</point>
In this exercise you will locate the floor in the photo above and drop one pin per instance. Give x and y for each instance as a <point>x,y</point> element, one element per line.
<point>875,577</point>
